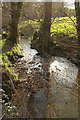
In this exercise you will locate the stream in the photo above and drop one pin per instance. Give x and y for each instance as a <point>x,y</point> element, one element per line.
<point>58,96</point>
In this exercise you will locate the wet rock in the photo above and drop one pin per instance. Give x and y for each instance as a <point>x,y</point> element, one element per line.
<point>32,62</point>
<point>36,69</point>
<point>20,56</point>
<point>39,65</point>
<point>25,61</point>
<point>25,68</point>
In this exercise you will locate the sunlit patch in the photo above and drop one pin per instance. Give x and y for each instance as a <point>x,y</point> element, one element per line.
<point>56,66</point>
<point>63,71</point>
<point>48,105</point>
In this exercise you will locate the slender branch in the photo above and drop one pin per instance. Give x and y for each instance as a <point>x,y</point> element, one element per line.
<point>3,115</point>
<point>53,20</point>
<point>68,16</point>
<point>29,18</point>
<point>13,87</point>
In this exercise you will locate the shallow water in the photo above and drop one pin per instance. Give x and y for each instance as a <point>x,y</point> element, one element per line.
<point>59,99</point>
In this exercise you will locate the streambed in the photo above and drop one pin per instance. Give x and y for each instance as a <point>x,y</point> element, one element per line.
<point>58,96</point>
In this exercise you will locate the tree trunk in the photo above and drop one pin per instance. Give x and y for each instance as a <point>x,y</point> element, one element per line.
<point>44,33</point>
<point>15,15</point>
<point>77,9</point>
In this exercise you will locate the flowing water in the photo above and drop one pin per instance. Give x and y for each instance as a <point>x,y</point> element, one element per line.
<point>60,98</point>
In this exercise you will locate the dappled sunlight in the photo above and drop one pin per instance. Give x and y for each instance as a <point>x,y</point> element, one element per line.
<point>64,71</point>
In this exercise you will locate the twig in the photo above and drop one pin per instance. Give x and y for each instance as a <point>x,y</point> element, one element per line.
<point>68,16</point>
<point>13,87</point>
<point>29,18</point>
<point>2,116</point>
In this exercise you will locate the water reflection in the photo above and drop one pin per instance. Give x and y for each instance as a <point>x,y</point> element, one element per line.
<point>63,95</point>
<point>63,71</point>
<point>27,51</point>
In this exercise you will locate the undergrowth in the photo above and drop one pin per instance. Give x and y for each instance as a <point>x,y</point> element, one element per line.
<point>61,27</point>
<point>64,28</point>
<point>10,53</point>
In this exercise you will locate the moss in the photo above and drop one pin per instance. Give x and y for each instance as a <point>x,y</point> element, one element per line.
<point>8,47</point>
<point>10,52</point>
<point>8,67</point>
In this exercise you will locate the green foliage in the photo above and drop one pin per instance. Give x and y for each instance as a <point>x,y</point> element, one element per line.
<point>34,24</point>
<point>5,33</point>
<point>9,51</point>
<point>63,28</point>
<point>8,67</point>
<point>9,48</point>
<point>0,59</point>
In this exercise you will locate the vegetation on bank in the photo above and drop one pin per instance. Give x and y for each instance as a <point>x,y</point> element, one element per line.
<point>64,28</point>
<point>33,23</point>
<point>61,26</point>
<point>63,34</point>
<point>10,53</point>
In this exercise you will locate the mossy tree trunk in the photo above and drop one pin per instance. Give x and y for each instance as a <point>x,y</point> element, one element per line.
<point>15,15</point>
<point>44,32</point>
